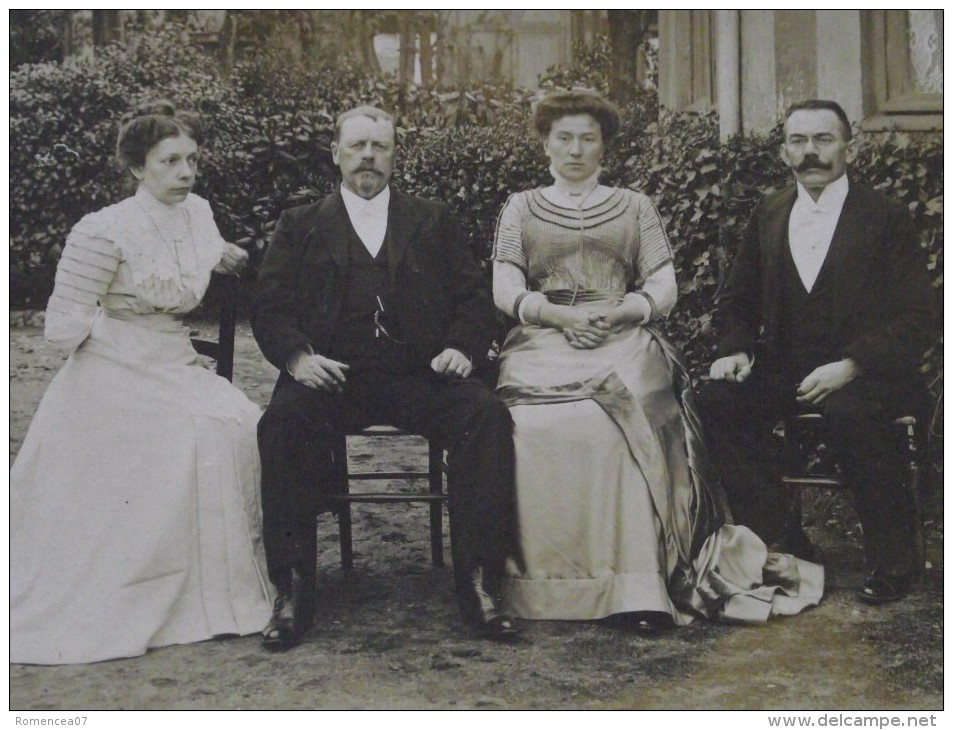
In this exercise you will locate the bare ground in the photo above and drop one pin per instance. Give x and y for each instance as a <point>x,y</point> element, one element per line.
<point>388,635</point>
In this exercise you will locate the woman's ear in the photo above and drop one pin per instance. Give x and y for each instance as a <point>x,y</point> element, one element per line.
<point>136,172</point>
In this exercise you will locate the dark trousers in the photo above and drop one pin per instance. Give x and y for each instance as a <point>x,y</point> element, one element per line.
<point>301,428</point>
<point>738,420</point>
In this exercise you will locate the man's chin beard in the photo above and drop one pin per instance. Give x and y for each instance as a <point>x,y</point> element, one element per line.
<point>369,191</point>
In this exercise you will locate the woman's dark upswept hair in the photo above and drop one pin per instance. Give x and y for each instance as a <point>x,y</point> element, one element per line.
<point>559,104</point>
<point>148,124</point>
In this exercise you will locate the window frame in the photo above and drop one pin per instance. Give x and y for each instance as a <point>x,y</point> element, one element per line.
<point>890,99</point>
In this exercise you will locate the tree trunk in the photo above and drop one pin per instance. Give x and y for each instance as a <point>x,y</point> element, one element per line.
<point>426,50</point>
<point>67,41</point>
<point>226,40</point>
<point>308,33</point>
<point>106,27</point>
<point>406,28</point>
<point>627,30</point>
<point>364,31</point>
<point>577,28</point>
<point>442,52</point>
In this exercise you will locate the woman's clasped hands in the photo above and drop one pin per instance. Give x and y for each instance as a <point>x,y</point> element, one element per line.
<point>588,328</point>
<point>585,329</point>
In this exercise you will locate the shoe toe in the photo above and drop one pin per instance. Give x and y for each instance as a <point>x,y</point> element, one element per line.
<point>879,588</point>
<point>500,628</point>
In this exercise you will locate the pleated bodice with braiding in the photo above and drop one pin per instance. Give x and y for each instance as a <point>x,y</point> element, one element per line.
<point>609,246</point>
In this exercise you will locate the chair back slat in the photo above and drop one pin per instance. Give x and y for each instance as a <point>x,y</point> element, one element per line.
<point>223,349</point>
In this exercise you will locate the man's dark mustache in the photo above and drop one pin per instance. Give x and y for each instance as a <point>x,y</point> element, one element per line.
<point>812,163</point>
<point>368,168</point>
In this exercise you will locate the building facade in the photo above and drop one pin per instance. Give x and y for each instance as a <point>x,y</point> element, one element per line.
<point>885,67</point>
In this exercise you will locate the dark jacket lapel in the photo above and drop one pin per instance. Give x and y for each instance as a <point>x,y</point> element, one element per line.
<point>333,227</point>
<point>402,223</point>
<point>847,259</point>
<point>774,239</point>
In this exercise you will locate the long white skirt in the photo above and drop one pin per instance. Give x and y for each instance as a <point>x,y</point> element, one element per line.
<point>135,513</point>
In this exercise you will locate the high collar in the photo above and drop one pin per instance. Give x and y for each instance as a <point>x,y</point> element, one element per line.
<point>575,189</point>
<point>152,204</point>
<point>831,198</point>
<point>572,194</point>
<point>375,207</point>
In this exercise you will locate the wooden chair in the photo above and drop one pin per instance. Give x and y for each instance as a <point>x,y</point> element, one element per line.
<point>435,496</point>
<point>222,350</point>
<point>806,463</point>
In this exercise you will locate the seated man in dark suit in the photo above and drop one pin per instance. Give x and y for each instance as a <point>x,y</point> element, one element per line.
<point>830,288</point>
<point>374,310</point>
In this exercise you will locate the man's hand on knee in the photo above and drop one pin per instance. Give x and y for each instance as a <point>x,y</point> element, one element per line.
<point>452,363</point>
<point>825,380</point>
<point>735,368</point>
<point>318,372</point>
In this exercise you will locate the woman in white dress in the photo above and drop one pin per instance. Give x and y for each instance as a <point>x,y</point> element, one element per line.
<point>134,506</point>
<point>615,516</point>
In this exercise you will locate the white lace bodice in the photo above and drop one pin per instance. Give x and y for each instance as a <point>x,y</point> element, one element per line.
<point>137,257</point>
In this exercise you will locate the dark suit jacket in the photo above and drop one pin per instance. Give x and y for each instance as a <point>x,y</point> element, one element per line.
<point>437,292</point>
<point>883,298</point>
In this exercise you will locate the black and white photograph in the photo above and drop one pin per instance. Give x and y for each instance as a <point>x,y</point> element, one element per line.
<point>477,360</point>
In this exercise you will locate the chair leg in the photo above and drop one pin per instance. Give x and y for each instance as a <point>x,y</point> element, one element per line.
<point>792,457</point>
<point>919,539</point>
<point>344,529</point>
<point>436,507</point>
<point>913,494</point>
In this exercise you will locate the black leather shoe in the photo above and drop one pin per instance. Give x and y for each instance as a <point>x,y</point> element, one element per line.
<point>291,616</point>
<point>648,623</point>
<point>881,588</point>
<point>480,611</point>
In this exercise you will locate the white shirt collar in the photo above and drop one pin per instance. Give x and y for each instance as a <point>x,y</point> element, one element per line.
<point>831,199</point>
<point>811,228</point>
<point>376,207</point>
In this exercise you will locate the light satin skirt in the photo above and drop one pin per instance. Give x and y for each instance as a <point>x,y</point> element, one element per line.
<point>614,512</point>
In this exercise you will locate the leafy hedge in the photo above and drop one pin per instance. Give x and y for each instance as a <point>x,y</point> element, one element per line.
<point>271,127</point>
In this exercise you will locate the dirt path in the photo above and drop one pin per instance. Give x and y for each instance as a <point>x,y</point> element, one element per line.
<point>388,635</point>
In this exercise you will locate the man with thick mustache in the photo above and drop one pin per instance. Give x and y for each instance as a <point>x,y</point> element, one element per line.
<point>374,310</point>
<point>828,309</point>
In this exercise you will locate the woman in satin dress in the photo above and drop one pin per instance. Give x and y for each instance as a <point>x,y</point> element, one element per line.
<point>615,516</point>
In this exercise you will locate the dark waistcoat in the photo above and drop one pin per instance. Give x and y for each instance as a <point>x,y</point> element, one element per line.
<point>357,339</point>
<point>805,321</point>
